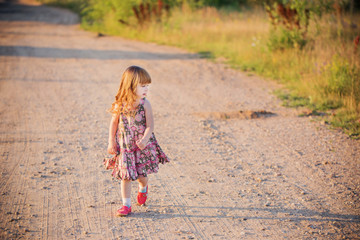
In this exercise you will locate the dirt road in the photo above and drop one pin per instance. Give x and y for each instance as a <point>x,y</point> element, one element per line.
<point>247,175</point>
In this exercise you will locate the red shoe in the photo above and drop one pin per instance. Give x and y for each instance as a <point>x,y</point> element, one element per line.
<point>123,211</point>
<point>141,197</point>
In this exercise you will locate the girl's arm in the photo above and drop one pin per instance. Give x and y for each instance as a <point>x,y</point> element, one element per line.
<point>149,125</point>
<point>112,131</point>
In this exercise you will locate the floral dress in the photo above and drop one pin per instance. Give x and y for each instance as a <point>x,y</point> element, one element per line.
<point>130,162</point>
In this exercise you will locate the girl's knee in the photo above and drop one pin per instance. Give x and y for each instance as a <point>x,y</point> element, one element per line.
<point>143,179</point>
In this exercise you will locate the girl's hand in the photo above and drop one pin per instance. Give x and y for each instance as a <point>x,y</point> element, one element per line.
<point>141,144</point>
<point>112,148</point>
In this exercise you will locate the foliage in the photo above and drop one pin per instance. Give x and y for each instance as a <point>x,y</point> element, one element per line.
<point>281,38</point>
<point>290,21</point>
<point>96,11</point>
<point>343,79</point>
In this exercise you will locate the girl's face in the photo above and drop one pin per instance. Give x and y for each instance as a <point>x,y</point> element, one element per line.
<point>142,90</point>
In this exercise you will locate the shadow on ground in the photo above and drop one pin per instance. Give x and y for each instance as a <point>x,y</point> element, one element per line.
<point>10,10</point>
<point>44,52</point>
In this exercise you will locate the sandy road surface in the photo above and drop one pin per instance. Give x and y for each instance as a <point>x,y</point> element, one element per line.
<point>274,177</point>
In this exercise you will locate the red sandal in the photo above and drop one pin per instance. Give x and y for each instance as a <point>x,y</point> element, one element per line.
<point>141,197</point>
<point>123,211</point>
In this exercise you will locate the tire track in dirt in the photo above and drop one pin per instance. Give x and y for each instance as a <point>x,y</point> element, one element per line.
<point>297,167</point>
<point>304,192</point>
<point>12,172</point>
<point>182,205</point>
<point>194,228</point>
<point>223,146</point>
<point>213,131</point>
<point>14,184</point>
<point>45,216</point>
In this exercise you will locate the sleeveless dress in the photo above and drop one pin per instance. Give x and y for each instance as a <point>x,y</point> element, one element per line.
<point>130,162</point>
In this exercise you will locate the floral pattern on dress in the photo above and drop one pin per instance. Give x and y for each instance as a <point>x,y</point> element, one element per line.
<point>130,162</point>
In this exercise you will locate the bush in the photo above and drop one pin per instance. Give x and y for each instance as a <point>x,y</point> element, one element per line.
<point>343,79</point>
<point>281,39</point>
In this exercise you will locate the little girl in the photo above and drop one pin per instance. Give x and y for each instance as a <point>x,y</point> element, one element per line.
<point>131,137</point>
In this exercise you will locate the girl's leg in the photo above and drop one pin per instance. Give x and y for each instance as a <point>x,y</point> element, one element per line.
<point>143,181</point>
<point>126,198</point>
<point>126,192</point>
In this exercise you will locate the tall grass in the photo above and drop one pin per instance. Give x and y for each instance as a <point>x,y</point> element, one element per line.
<point>325,72</point>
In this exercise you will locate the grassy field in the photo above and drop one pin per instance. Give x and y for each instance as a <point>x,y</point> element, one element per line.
<point>323,76</point>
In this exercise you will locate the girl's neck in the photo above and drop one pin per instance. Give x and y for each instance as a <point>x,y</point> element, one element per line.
<point>137,102</point>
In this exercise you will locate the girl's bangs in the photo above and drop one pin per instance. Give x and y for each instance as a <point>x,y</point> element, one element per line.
<point>144,77</point>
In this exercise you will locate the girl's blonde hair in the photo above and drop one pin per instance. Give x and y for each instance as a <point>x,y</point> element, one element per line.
<point>126,95</point>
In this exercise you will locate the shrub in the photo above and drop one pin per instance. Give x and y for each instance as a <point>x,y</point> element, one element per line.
<point>282,38</point>
<point>343,79</point>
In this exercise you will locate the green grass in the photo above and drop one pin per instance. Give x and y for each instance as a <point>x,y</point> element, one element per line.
<point>73,5</point>
<point>348,121</point>
<point>322,74</point>
<point>293,101</point>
